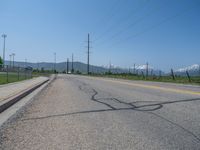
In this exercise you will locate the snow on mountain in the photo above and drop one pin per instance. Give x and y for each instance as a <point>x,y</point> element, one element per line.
<point>112,66</point>
<point>189,68</point>
<point>143,67</point>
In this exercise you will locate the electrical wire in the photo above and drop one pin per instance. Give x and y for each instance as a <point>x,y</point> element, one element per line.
<point>122,20</point>
<point>154,26</point>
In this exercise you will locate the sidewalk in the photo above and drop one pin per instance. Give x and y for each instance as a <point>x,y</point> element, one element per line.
<point>10,90</point>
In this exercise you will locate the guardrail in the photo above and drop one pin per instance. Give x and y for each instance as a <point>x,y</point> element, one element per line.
<point>10,73</point>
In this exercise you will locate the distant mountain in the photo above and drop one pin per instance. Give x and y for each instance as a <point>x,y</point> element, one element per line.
<point>78,66</point>
<point>151,70</point>
<point>193,70</point>
<point>82,67</point>
<point>189,68</point>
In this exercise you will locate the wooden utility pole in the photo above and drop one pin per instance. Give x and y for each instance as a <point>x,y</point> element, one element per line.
<point>172,73</point>
<point>67,65</point>
<point>199,70</point>
<point>88,55</point>
<point>72,63</point>
<point>147,69</point>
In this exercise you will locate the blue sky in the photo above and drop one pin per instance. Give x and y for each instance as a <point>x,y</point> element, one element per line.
<point>163,32</point>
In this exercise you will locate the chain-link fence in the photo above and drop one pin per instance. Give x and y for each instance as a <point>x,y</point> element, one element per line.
<point>10,73</point>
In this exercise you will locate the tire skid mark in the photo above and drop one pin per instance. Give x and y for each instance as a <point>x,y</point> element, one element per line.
<point>145,108</point>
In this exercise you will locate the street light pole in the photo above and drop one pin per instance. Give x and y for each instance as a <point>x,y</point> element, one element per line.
<point>13,54</point>
<point>10,59</point>
<point>54,62</point>
<point>4,47</point>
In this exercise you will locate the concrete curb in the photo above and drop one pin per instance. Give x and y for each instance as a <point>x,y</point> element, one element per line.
<point>15,99</point>
<point>13,110</point>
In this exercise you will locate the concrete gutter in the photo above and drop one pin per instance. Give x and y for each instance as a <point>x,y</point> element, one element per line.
<point>7,103</point>
<point>12,106</point>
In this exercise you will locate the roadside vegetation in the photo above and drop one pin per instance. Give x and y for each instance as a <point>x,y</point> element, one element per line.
<point>15,76</point>
<point>11,78</point>
<point>175,79</point>
<point>42,72</point>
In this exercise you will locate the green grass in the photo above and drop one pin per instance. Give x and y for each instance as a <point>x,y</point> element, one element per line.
<point>178,79</point>
<point>12,77</point>
<point>37,74</point>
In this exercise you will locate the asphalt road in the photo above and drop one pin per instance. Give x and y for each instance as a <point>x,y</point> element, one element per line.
<point>77,112</point>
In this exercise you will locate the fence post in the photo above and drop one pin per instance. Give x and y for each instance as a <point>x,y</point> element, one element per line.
<point>18,73</point>
<point>7,73</point>
<point>24,73</point>
<point>143,75</point>
<point>31,74</point>
<point>147,70</point>
<point>160,74</point>
<point>172,73</point>
<point>188,75</point>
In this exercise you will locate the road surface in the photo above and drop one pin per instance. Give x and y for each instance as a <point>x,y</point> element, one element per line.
<point>77,112</point>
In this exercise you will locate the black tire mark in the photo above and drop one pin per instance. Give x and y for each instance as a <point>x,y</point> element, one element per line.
<point>96,100</point>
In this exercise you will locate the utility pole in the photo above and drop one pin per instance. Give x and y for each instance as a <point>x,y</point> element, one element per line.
<point>88,61</point>
<point>54,62</point>
<point>72,71</point>
<point>13,54</point>
<point>172,73</point>
<point>147,69</point>
<point>151,72</point>
<point>38,66</point>
<point>10,60</point>
<point>160,74</point>
<point>67,65</point>
<point>4,47</point>
<point>110,67</point>
<point>199,70</point>
<point>134,69</point>
<point>25,64</point>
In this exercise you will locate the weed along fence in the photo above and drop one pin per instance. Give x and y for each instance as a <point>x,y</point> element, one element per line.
<point>154,75</point>
<point>10,74</point>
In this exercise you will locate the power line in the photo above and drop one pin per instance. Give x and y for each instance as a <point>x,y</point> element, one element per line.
<point>133,23</point>
<point>121,21</point>
<point>116,8</point>
<point>155,25</point>
<point>160,23</point>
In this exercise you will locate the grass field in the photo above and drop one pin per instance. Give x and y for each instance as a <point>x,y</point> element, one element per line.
<point>36,74</point>
<point>178,79</point>
<point>12,77</point>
